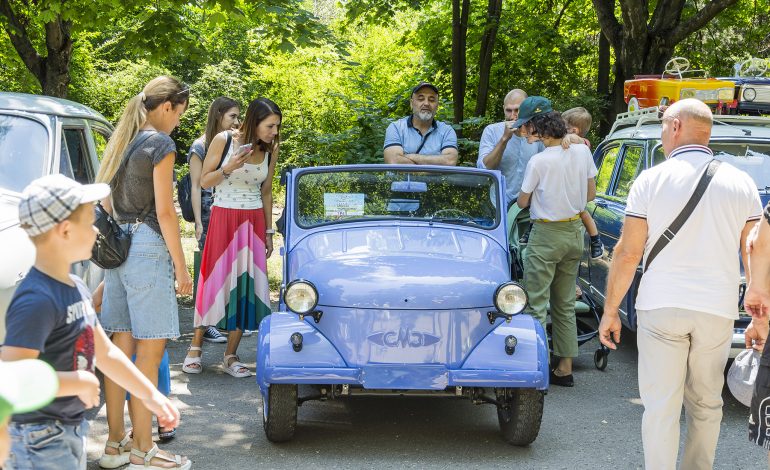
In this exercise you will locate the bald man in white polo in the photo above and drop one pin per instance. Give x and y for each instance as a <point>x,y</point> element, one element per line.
<point>688,296</point>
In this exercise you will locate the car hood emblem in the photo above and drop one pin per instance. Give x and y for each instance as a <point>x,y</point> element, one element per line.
<point>403,338</point>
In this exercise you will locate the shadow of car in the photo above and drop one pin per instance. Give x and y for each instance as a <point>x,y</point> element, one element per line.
<point>41,135</point>
<point>397,282</point>
<point>634,145</point>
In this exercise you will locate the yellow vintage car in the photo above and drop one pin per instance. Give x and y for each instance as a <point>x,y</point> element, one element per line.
<point>679,82</point>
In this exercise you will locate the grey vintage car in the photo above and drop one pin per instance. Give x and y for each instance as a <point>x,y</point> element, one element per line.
<point>41,135</point>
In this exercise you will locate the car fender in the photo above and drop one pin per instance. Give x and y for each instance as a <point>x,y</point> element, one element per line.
<point>275,348</point>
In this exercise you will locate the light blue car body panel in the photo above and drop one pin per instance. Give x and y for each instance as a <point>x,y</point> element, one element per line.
<point>404,305</point>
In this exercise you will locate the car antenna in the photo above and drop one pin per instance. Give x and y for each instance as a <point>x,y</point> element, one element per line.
<point>745,131</point>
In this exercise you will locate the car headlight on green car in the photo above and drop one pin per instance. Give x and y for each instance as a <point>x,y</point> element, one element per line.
<point>510,298</point>
<point>301,297</point>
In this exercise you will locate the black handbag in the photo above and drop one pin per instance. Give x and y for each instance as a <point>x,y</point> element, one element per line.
<point>184,187</point>
<point>112,242</point>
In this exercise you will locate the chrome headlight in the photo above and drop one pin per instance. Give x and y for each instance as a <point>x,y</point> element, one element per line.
<point>301,296</point>
<point>510,298</point>
<point>749,94</point>
<point>726,94</point>
<point>687,93</point>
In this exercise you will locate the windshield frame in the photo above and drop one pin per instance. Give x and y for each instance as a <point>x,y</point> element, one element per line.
<point>50,144</point>
<point>297,174</point>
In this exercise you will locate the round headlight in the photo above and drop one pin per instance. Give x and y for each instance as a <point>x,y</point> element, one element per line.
<point>749,94</point>
<point>301,296</point>
<point>510,298</point>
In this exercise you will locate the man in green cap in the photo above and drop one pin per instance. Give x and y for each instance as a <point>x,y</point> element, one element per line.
<point>557,184</point>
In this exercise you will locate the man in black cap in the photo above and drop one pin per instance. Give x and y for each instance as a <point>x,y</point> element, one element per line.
<point>419,139</point>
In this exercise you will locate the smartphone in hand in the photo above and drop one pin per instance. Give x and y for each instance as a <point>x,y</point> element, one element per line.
<point>243,149</point>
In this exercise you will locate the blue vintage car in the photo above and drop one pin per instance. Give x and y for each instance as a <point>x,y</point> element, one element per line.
<point>397,281</point>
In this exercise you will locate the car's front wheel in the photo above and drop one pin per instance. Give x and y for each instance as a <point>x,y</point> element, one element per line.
<point>279,416</point>
<point>520,412</point>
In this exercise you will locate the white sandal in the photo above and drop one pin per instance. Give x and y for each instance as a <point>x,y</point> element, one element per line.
<point>147,456</point>
<point>236,367</point>
<point>119,459</point>
<point>189,363</point>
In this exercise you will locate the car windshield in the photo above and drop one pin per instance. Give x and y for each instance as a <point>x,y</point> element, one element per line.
<point>23,150</point>
<point>446,197</point>
<point>753,158</point>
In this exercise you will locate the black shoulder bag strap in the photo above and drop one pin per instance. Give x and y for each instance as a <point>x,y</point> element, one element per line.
<point>124,163</point>
<point>680,220</point>
<point>226,149</point>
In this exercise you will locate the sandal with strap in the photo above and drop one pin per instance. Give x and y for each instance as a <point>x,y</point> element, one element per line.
<point>192,365</point>
<point>119,459</point>
<point>236,368</point>
<point>153,453</point>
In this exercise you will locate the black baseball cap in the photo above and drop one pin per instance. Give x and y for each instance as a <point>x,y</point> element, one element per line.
<point>422,85</point>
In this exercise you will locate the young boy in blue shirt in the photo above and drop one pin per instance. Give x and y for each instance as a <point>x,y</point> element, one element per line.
<point>51,317</point>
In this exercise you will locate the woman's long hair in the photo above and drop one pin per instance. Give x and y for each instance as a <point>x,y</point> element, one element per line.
<point>259,110</point>
<point>155,93</point>
<point>217,109</point>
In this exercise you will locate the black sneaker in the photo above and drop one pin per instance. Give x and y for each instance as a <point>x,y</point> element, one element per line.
<point>563,380</point>
<point>597,249</point>
<point>212,335</point>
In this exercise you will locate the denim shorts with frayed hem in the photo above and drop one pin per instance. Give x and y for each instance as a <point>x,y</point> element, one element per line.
<point>139,295</point>
<point>48,445</point>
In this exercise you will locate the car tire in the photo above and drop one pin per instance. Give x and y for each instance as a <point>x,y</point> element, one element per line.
<point>279,416</point>
<point>520,413</point>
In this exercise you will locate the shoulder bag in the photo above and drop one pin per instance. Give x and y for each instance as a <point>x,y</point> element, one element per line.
<point>677,224</point>
<point>184,186</point>
<point>112,242</point>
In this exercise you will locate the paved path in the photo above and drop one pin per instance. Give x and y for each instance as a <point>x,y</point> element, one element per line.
<point>592,426</point>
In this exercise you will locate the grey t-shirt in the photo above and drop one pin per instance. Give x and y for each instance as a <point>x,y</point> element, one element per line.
<point>133,190</point>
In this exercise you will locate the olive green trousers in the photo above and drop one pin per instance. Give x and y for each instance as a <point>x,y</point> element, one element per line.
<point>551,262</point>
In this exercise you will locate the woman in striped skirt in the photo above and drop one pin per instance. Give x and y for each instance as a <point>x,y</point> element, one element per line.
<point>233,292</point>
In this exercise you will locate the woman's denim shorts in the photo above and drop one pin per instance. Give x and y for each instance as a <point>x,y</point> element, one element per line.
<point>139,295</point>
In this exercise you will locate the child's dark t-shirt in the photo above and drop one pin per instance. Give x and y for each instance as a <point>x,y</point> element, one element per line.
<point>59,321</point>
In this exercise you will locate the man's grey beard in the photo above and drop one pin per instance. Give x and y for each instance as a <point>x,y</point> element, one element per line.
<point>425,115</point>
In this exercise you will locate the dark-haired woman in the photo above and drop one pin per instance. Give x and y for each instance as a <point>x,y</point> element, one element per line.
<point>223,116</point>
<point>233,292</point>
<point>557,184</point>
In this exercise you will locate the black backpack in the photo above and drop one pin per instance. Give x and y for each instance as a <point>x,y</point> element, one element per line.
<point>184,186</point>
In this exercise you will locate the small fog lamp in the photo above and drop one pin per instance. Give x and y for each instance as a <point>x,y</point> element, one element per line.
<point>510,298</point>
<point>510,344</point>
<point>301,297</point>
<point>296,341</point>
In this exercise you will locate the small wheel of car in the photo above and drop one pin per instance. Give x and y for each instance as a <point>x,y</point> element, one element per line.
<point>279,416</point>
<point>520,413</point>
<point>600,359</point>
<point>633,104</point>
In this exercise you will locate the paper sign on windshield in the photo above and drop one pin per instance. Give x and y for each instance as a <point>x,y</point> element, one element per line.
<point>343,204</point>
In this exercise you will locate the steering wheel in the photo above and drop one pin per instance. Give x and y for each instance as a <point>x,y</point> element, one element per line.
<point>677,65</point>
<point>450,212</point>
<point>754,67</point>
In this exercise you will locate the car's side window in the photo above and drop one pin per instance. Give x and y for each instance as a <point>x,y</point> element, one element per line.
<point>101,137</point>
<point>606,166</point>
<point>74,159</point>
<point>657,155</point>
<point>632,158</point>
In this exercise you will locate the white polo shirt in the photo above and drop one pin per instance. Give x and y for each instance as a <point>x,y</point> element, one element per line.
<point>699,268</point>
<point>558,181</point>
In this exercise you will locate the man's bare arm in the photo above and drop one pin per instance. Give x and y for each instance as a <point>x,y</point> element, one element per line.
<point>395,154</point>
<point>448,157</point>
<point>523,200</point>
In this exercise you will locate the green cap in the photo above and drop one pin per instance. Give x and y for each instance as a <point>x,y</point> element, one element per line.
<point>531,107</point>
<point>26,385</point>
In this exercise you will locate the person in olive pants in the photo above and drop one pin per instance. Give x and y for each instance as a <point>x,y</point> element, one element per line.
<point>557,184</point>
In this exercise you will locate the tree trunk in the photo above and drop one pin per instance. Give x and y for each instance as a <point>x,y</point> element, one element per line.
<point>460,10</point>
<point>603,83</point>
<point>494,10</point>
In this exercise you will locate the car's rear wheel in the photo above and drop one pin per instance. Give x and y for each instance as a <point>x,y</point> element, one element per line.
<point>520,413</point>
<point>279,417</point>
